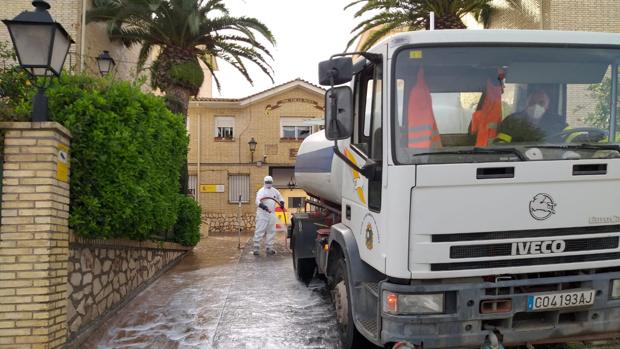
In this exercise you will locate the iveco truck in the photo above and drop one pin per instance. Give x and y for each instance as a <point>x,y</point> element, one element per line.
<point>466,190</point>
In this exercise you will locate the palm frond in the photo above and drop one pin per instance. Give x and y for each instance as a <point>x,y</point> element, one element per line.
<point>187,31</point>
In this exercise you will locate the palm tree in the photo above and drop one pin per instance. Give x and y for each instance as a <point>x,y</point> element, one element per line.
<point>185,33</point>
<point>394,15</point>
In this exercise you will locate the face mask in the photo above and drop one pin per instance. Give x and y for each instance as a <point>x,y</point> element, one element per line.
<point>268,185</point>
<point>536,111</point>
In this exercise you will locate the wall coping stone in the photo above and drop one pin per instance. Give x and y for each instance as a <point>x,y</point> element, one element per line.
<point>46,125</point>
<point>126,243</point>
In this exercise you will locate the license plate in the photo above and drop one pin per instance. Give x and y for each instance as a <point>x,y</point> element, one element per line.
<point>559,300</point>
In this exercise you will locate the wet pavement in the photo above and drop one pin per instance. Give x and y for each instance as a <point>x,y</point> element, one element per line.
<point>221,297</point>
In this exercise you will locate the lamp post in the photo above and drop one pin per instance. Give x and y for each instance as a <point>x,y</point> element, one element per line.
<point>105,63</point>
<point>252,143</point>
<point>41,46</point>
<point>291,184</point>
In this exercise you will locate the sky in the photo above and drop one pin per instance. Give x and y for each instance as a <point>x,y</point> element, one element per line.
<point>307,32</point>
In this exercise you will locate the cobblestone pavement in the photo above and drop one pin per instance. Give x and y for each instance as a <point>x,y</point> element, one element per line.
<point>220,297</point>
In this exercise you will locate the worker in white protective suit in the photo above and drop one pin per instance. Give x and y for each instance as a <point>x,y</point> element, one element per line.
<point>267,198</point>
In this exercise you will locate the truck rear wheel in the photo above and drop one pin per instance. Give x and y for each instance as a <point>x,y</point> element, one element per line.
<point>349,335</point>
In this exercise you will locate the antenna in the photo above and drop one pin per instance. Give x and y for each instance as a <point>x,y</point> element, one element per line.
<point>432,20</point>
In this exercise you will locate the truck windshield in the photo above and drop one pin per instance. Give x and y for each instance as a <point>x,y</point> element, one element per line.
<point>481,104</point>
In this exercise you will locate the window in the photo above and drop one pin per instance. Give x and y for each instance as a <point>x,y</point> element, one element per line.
<point>282,176</point>
<point>224,127</point>
<point>192,184</point>
<point>295,128</point>
<point>239,187</point>
<point>368,139</point>
<point>295,202</point>
<point>524,97</point>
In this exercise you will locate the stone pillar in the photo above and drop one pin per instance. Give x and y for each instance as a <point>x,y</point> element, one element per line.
<point>34,235</point>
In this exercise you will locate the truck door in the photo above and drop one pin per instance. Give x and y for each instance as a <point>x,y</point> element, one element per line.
<point>363,200</point>
<point>367,139</point>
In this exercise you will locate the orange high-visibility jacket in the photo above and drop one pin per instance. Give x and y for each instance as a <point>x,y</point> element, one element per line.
<point>484,122</point>
<point>423,132</point>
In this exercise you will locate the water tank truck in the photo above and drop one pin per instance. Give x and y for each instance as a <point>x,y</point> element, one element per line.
<point>465,190</point>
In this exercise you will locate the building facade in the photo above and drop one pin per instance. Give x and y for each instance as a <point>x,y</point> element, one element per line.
<point>224,173</point>
<point>571,15</point>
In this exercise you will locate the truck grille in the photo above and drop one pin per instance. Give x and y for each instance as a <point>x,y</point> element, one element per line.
<point>506,263</point>
<point>505,249</point>
<point>586,248</point>
<point>519,234</point>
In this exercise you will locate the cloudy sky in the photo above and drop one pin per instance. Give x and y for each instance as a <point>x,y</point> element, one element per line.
<point>307,32</point>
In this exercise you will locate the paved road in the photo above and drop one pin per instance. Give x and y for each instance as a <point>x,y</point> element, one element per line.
<point>220,297</point>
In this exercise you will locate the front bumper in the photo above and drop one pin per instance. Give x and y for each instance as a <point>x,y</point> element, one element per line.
<point>463,325</point>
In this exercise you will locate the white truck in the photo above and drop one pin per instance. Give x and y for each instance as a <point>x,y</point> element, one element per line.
<point>442,230</point>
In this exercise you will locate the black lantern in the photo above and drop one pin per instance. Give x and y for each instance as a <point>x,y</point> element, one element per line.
<point>291,184</point>
<point>105,63</point>
<point>41,45</point>
<point>252,143</point>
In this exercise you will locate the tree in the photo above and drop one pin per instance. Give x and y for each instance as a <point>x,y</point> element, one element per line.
<point>185,33</point>
<point>601,94</point>
<point>388,16</point>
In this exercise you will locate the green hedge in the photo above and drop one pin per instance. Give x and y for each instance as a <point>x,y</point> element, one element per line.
<point>126,153</point>
<point>187,227</point>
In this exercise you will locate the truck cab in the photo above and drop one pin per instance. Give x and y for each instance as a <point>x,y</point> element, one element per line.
<point>476,199</point>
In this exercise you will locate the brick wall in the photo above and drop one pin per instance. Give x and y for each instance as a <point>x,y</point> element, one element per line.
<point>579,15</point>
<point>33,236</point>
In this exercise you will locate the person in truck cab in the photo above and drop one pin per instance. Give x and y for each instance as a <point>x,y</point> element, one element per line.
<point>533,124</point>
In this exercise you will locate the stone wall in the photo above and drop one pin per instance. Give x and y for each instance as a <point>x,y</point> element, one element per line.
<point>228,223</point>
<point>104,274</point>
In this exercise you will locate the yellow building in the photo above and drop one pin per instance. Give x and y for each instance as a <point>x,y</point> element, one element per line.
<point>221,165</point>
<point>577,15</point>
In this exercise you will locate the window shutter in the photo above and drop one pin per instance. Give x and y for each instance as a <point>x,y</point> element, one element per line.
<point>239,185</point>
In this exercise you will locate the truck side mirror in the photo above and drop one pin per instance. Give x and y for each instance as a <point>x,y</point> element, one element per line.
<point>336,71</point>
<point>339,113</point>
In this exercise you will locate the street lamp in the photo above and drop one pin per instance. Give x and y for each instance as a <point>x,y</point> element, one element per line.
<point>105,63</point>
<point>252,143</point>
<point>41,45</point>
<point>291,184</point>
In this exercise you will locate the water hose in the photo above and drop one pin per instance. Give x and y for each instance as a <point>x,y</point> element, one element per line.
<point>285,220</point>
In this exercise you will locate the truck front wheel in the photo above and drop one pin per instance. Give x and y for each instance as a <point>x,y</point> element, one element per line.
<point>349,336</point>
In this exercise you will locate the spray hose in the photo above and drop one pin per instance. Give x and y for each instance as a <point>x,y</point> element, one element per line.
<point>284,214</point>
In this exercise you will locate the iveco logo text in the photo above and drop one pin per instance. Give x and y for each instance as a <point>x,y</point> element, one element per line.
<point>538,247</point>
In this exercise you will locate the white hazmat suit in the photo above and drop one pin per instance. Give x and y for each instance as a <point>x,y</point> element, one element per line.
<point>266,221</point>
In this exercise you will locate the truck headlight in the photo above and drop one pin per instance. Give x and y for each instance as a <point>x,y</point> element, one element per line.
<point>413,303</point>
<point>615,288</point>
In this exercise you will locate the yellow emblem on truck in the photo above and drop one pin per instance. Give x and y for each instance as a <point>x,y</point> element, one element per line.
<point>358,183</point>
